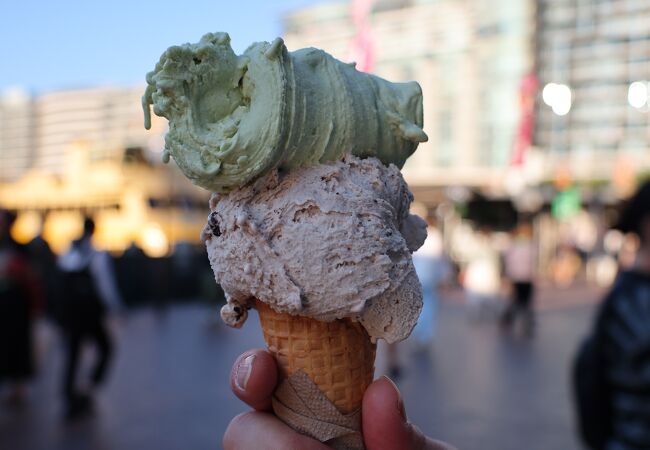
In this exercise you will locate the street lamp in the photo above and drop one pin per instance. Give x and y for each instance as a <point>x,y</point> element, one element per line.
<point>637,94</point>
<point>558,97</point>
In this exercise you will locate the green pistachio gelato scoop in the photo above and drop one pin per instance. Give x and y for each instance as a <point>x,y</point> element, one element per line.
<point>234,118</point>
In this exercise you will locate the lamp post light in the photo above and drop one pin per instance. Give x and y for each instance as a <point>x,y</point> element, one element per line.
<point>638,94</point>
<point>558,97</point>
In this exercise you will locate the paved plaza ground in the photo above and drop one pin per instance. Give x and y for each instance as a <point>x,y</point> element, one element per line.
<point>476,388</point>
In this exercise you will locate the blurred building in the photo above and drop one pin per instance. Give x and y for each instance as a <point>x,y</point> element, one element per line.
<point>36,130</point>
<point>592,113</point>
<point>516,93</point>
<point>109,117</point>
<point>470,57</point>
<point>17,133</point>
<point>69,153</point>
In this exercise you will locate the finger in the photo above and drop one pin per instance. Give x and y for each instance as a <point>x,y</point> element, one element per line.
<point>253,378</point>
<point>384,422</point>
<point>263,431</point>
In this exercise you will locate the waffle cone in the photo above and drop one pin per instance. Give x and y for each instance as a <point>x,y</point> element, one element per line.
<point>338,356</point>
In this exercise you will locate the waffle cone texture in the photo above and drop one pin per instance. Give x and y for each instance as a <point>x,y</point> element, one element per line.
<point>337,356</point>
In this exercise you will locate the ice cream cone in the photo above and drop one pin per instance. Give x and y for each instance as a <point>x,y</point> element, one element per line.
<point>337,356</point>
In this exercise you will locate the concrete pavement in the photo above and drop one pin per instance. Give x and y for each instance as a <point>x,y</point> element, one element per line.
<point>477,388</point>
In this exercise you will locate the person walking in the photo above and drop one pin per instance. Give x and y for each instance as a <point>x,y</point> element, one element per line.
<point>43,262</point>
<point>433,269</point>
<point>20,302</point>
<point>90,289</point>
<point>611,376</point>
<point>519,268</point>
<point>482,277</point>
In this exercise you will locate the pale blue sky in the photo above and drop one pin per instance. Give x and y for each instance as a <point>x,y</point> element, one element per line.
<point>57,44</point>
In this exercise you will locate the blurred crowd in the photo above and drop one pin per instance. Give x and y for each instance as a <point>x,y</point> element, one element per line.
<point>499,273</point>
<point>76,291</point>
<point>496,267</point>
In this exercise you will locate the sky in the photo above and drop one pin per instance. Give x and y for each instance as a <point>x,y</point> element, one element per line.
<point>48,45</point>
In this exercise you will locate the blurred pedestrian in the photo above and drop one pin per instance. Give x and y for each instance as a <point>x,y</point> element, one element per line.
<point>43,261</point>
<point>6,239</point>
<point>566,265</point>
<point>134,274</point>
<point>90,289</point>
<point>482,278</point>
<point>433,269</point>
<point>612,368</point>
<point>519,270</point>
<point>20,301</point>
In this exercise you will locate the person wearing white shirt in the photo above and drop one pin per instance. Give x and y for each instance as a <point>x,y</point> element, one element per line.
<point>519,266</point>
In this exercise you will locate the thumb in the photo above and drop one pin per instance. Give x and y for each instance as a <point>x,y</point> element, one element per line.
<point>384,422</point>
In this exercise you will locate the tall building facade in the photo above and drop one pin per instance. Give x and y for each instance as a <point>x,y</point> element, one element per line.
<point>469,56</point>
<point>17,134</point>
<point>108,117</point>
<point>598,53</point>
<point>37,131</point>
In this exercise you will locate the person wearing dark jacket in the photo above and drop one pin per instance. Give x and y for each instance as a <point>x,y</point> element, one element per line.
<point>43,262</point>
<point>90,290</point>
<point>612,368</point>
<point>20,302</point>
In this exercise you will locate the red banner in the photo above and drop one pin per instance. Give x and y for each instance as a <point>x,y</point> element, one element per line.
<point>524,137</point>
<point>362,51</point>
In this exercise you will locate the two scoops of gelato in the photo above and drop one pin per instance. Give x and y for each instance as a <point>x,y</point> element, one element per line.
<point>310,212</point>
